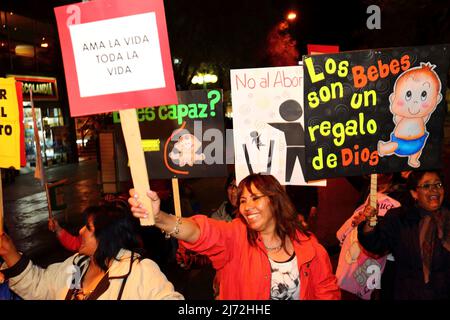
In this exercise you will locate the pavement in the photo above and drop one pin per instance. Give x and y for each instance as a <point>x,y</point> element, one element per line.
<point>26,209</point>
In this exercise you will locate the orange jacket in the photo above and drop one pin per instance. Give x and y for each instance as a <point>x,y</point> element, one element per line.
<point>245,270</point>
<point>69,241</point>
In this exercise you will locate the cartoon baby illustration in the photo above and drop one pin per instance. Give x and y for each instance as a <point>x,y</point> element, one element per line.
<point>185,150</point>
<point>417,92</point>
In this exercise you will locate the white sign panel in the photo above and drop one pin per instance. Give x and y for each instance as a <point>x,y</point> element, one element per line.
<point>268,123</point>
<point>117,55</point>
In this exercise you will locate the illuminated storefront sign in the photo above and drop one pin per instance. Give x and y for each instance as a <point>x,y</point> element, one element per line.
<point>43,88</point>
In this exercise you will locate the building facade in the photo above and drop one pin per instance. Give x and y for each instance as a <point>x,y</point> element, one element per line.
<point>30,52</point>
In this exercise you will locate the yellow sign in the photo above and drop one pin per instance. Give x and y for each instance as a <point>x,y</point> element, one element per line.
<point>150,145</point>
<point>9,125</point>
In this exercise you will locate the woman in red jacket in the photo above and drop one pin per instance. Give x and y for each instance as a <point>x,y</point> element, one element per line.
<point>265,253</point>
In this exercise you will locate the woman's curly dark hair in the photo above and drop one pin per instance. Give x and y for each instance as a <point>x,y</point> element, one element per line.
<point>115,228</point>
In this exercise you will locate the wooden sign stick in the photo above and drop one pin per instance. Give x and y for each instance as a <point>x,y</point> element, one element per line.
<point>49,204</point>
<point>176,197</point>
<point>138,168</point>
<point>373,197</point>
<point>39,169</point>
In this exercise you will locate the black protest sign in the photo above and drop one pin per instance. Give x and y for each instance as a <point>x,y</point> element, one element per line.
<point>185,140</point>
<point>374,111</point>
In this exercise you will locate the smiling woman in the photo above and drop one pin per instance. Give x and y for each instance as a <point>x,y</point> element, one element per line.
<point>418,236</point>
<point>264,253</point>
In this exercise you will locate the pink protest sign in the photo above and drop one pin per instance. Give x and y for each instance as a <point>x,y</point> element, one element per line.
<point>116,55</point>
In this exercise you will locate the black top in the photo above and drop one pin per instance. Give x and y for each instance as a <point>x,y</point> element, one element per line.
<point>398,233</point>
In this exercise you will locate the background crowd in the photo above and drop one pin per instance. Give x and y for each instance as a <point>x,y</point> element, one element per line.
<point>406,255</point>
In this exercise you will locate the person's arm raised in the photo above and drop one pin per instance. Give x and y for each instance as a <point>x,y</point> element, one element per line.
<point>184,229</point>
<point>54,226</point>
<point>8,251</point>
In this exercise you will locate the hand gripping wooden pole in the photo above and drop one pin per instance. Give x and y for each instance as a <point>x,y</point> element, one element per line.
<point>138,168</point>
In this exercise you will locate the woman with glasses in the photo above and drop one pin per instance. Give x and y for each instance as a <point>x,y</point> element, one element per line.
<point>418,236</point>
<point>106,267</point>
<point>265,253</point>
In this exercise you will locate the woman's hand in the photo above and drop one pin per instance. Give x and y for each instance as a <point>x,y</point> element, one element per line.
<point>366,214</point>
<point>6,245</point>
<point>138,210</point>
<point>369,212</point>
<point>185,230</point>
<point>370,215</point>
<point>53,225</point>
<point>8,251</point>
<point>360,217</point>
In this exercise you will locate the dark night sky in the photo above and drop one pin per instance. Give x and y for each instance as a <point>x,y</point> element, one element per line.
<point>234,32</point>
<point>404,22</point>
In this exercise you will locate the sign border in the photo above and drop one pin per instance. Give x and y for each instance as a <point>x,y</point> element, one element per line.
<point>110,9</point>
